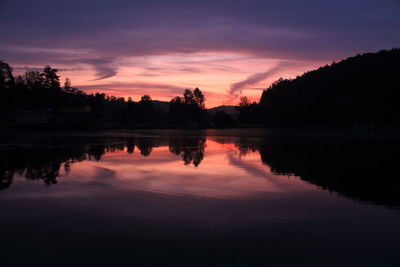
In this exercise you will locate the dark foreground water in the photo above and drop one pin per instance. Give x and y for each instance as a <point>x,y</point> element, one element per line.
<point>199,198</point>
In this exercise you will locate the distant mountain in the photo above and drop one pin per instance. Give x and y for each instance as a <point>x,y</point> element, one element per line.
<point>230,110</point>
<point>364,89</point>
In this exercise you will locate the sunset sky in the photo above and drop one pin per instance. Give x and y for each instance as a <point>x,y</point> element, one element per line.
<point>226,48</point>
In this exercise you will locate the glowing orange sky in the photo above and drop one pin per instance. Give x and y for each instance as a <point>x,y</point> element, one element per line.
<point>166,76</point>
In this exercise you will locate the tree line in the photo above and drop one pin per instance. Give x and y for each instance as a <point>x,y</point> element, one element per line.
<point>43,92</point>
<point>360,90</point>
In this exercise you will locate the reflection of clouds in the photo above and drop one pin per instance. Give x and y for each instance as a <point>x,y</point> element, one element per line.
<point>224,173</point>
<point>102,176</point>
<point>248,168</point>
<point>261,171</point>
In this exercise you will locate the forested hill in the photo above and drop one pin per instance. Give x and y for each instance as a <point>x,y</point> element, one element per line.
<point>364,89</point>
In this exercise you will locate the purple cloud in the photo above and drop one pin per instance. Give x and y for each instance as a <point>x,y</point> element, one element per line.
<point>284,29</point>
<point>103,66</point>
<point>237,88</point>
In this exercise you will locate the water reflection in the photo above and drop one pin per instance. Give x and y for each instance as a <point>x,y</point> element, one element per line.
<point>44,161</point>
<point>190,149</point>
<point>365,169</point>
<point>359,168</point>
<point>362,168</point>
<point>221,198</point>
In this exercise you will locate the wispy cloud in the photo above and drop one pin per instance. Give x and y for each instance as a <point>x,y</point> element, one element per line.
<point>104,67</point>
<point>237,88</point>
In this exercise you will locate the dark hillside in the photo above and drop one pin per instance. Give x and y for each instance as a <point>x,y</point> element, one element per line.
<point>364,89</point>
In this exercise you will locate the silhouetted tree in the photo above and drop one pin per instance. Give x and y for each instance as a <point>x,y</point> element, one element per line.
<point>188,97</point>
<point>145,98</point>
<point>177,100</point>
<point>199,98</point>
<point>67,85</point>
<point>7,84</point>
<point>7,80</point>
<point>34,80</point>
<point>50,78</point>
<point>189,109</point>
<point>244,101</point>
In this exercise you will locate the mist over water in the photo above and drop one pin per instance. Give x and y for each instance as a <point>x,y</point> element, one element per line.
<point>215,197</point>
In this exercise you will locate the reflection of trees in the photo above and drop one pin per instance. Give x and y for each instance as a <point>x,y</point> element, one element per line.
<point>45,161</point>
<point>361,169</point>
<point>145,146</point>
<point>36,164</point>
<point>130,146</point>
<point>6,178</point>
<point>190,148</point>
<point>245,146</point>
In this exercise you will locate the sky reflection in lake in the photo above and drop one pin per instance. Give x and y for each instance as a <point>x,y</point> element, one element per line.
<point>223,173</point>
<point>232,198</point>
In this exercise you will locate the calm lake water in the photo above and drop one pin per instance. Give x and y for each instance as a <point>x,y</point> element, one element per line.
<point>199,198</point>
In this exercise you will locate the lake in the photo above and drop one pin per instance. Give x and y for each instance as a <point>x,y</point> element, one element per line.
<point>199,198</point>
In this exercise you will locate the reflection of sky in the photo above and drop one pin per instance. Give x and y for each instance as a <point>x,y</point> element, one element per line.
<point>127,207</point>
<point>223,173</point>
<point>228,190</point>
